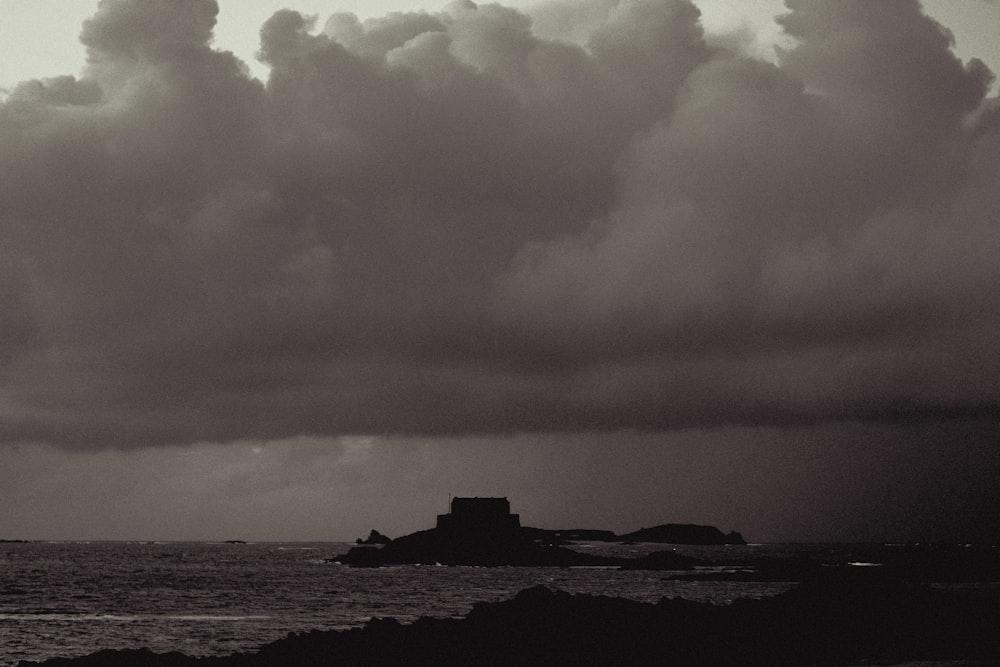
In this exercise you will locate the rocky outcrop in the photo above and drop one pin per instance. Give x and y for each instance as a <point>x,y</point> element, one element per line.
<point>477,531</point>
<point>374,537</point>
<point>529,547</point>
<point>484,532</point>
<point>436,546</point>
<point>683,533</point>
<point>845,616</point>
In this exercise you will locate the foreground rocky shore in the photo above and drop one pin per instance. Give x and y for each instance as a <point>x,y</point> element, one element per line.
<point>843,616</point>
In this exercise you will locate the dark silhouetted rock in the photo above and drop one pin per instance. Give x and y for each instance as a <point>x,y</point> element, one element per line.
<point>374,537</point>
<point>683,533</point>
<point>478,531</point>
<point>360,556</point>
<point>124,658</point>
<point>483,531</point>
<point>435,546</point>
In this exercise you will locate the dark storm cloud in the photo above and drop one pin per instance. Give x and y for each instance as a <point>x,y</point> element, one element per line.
<point>836,482</point>
<point>467,221</point>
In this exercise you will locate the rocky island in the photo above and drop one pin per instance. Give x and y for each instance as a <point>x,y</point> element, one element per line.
<point>477,531</point>
<point>484,532</point>
<point>683,533</point>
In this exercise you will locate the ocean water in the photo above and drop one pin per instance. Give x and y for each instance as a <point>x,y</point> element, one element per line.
<point>74,598</point>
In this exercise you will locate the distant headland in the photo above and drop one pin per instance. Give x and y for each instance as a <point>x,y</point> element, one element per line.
<point>484,532</point>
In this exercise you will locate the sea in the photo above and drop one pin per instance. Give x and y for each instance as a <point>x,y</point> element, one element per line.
<point>69,599</point>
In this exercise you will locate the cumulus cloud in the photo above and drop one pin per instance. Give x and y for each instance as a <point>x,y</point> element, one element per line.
<point>587,216</point>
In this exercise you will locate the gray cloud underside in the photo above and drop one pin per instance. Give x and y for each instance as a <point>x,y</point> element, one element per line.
<point>481,221</point>
<point>833,482</point>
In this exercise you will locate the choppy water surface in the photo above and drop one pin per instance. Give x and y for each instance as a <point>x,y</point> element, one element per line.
<point>70,599</point>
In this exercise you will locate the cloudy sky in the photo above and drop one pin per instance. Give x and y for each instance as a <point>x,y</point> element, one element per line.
<point>297,273</point>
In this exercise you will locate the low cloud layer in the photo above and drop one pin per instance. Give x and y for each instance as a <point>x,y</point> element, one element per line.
<point>835,482</point>
<point>485,221</point>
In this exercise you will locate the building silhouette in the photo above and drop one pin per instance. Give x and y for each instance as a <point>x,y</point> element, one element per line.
<point>479,518</point>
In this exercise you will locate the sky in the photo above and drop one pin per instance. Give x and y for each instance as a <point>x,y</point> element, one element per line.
<point>296,273</point>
